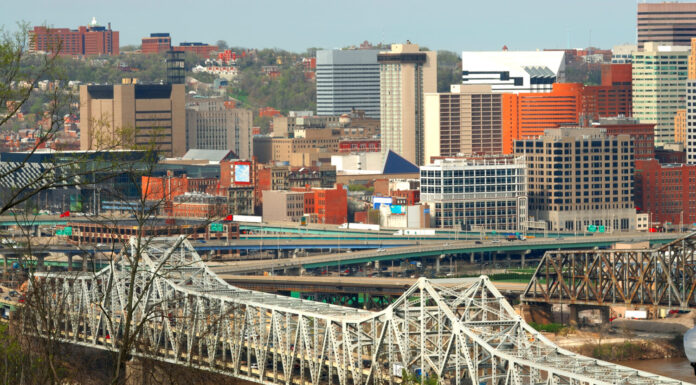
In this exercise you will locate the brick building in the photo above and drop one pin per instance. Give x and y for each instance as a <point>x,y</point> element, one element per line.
<point>86,40</point>
<point>201,49</point>
<point>527,115</point>
<point>643,134</point>
<point>326,205</point>
<point>156,43</point>
<point>359,145</point>
<point>666,191</point>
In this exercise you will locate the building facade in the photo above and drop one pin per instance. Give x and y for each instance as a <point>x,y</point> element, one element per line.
<point>347,80</point>
<point>527,115</point>
<point>156,43</point>
<point>580,177</point>
<point>212,125</point>
<point>133,115</point>
<point>659,87</point>
<point>406,74</point>
<point>666,192</point>
<point>514,71</point>
<point>466,121</point>
<point>642,134</point>
<point>201,49</point>
<point>476,193</point>
<point>86,40</point>
<point>686,134</point>
<point>283,206</point>
<point>671,22</point>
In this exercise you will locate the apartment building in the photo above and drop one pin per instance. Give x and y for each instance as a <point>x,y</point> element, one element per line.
<point>467,120</point>
<point>580,177</point>
<point>406,75</point>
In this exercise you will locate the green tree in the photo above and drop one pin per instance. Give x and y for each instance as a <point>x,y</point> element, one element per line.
<point>449,70</point>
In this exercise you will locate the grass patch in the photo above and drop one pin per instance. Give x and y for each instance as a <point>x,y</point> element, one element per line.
<point>554,328</point>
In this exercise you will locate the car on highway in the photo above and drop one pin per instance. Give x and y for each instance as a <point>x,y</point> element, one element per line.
<point>381,250</point>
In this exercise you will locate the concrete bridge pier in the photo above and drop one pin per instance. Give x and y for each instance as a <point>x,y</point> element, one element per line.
<point>70,261</point>
<point>522,257</point>
<point>4,265</point>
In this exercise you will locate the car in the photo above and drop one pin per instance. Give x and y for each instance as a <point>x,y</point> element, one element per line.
<point>495,241</point>
<point>381,250</point>
<point>478,242</point>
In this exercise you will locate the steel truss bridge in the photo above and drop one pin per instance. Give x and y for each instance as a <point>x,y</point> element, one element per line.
<point>660,277</point>
<point>463,334</point>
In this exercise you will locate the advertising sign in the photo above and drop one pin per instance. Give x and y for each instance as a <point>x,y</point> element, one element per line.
<point>242,173</point>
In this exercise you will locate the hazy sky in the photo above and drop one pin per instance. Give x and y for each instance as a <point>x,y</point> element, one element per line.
<point>296,25</point>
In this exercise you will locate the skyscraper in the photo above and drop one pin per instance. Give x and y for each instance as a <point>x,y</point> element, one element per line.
<point>659,87</point>
<point>347,80</point>
<point>133,115</point>
<point>211,125</point>
<point>669,23</point>
<point>467,120</point>
<point>405,75</point>
<point>689,137</point>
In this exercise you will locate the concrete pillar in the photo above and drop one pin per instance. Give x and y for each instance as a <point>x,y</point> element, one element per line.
<point>605,314</point>
<point>84,262</point>
<point>4,265</point>
<point>70,260</point>
<point>471,258</point>
<point>437,265</point>
<point>574,319</point>
<point>522,257</point>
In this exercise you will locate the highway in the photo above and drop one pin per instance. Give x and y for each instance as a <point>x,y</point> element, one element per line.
<point>380,285</point>
<point>452,247</point>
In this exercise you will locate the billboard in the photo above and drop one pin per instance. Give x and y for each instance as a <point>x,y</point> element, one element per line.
<point>378,201</point>
<point>242,173</point>
<point>398,209</point>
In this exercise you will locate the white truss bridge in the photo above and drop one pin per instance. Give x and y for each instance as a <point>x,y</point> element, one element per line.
<point>466,334</point>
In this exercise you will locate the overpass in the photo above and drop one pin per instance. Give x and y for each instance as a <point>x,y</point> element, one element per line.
<point>364,292</point>
<point>428,251</point>
<point>464,333</point>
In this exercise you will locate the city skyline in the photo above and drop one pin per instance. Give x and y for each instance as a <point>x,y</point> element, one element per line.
<point>578,24</point>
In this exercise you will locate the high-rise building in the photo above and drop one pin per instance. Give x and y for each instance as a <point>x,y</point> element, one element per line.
<point>156,43</point>
<point>212,125</point>
<point>680,124</point>
<point>406,74</point>
<point>579,177</point>
<point>133,115</point>
<point>478,192</point>
<point>465,121</point>
<point>613,97</point>
<point>86,40</point>
<point>347,80</point>
<point>689,129</point>
<point>530,114</point>
<point>514,71</point>
<point>659,87</point>
<point>668,22</point>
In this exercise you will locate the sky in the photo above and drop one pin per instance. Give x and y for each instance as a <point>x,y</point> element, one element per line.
<point>296,25</point>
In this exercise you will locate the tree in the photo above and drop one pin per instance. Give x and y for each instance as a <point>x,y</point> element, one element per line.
<point>34,342</point>
<point>449,70</point>
<point>222,45</point>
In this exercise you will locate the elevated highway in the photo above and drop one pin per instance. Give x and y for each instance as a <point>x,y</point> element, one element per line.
<point>442,249</point>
